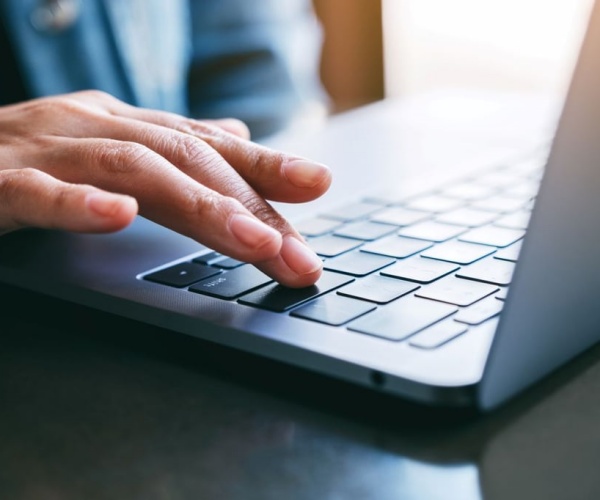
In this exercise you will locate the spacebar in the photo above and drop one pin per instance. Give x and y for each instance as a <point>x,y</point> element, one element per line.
<point>279,298</point>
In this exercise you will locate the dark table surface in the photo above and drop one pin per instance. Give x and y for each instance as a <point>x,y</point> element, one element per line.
<point>99,407</point>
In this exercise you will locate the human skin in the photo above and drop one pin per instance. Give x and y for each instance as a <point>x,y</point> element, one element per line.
<point>87,162</point>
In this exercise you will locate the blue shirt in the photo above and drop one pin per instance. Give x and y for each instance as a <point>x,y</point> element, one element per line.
<point>256,60</point>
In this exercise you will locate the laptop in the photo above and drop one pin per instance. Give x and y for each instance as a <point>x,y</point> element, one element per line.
<point>459,241</point>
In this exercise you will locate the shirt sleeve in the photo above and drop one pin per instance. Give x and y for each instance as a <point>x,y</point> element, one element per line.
<point>254,60</point>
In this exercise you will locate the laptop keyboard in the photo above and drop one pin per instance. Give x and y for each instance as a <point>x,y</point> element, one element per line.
<point>421,270</point>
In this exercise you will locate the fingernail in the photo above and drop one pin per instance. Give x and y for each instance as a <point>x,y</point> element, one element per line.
<point>299,258</point>
<point>304,173</point>
<point>104,204</point>
<point>251,232</point>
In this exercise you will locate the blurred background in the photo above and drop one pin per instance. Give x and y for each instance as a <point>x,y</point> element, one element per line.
<point>394,48</point>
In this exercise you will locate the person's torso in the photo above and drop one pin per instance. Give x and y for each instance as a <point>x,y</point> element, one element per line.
<point>134,49</point>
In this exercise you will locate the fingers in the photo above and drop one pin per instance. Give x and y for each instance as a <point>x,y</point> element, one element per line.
<point>170,197</point>
<point>295,266</point>
<point>33,198</point>
<point>105,102</point>
<point>292,264</point>
<point>272,174</point>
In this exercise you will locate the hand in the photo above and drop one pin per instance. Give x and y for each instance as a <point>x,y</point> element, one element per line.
<point>85,161</point>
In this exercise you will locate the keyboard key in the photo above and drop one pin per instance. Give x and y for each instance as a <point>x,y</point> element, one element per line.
<point>228,263</point>
<point>365,230</point>
<point>499,204</point>
<point>457,291</point>
<point>181,275</point>
<point>493,271</point>
<point>399,216</point>
<point>493,236</point>
<point>458,252</point>
<point>378,289</point>
<point>402,318</point>
<point>523,190</point>
<point>501,294</point>
<point>536,176</point>
<point>432,231</point>
<point>480,312</point>
<point>420,270</point>
<point>510,253</point>
<point>358,263</point>
<point>353,211</point>
<point>468,217</point>
<point>433,203</point>
<point>498,179</point>
<point>438,334</point>
<point>317,226</point>
<point>331,246</point>
<point>388,197</point>
<point>232,284</point>
<point>530,166</point>
<point>275,297</point>
<point>333,310</point>
<point>208,258</point>
<point>517,220</point>
<point>469,191</point>
<point>396,246</point>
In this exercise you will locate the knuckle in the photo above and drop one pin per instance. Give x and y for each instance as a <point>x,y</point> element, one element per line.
<point>197,128</point>
<point>190,149</point>
<point>216,138</point>
<point>266,213</point>
<point>59,197</point>
<point>13,191</point>
<point>8,185</point>
<point>186,126</point>
<point>100,101</point>
<point>217,204</point>
<point>62,104</point>
<point>209,205</point>
<point>12,182</point>
<point>194,153</point>
<point>256,160</point>
<point>261,162</point>
<point>203,205</point>
<point>122,157</point>
<point>97,95</point>
<point>53,109</point>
